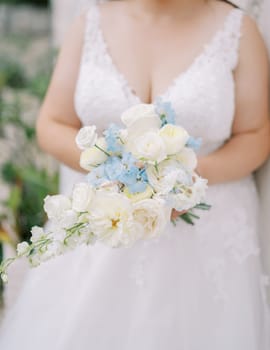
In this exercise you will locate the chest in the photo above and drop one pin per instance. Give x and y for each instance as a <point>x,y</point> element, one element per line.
<point>203,94</point>
<point>150,58</point>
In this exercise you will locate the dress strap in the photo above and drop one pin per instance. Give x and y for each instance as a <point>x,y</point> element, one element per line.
<point>90,33</point>
<point>231,38</point>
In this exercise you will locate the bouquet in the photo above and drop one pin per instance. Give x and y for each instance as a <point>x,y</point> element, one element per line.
<point>136,175</point>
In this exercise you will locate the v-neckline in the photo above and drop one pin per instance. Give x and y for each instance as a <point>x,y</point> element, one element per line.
<point>195,61</point>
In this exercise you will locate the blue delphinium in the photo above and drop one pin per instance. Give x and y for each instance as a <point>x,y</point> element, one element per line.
<point>123,169</point>
<point>97,176</point>
<point>165,111</point>
<point>193,143</point>
<point>113,168</point>
<point>132,176</point>
<point>112,138</point>
<point>140,182</point>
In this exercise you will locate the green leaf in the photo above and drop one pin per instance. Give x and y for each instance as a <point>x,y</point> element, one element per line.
<point>15,198</point>
<point>187,218</point>
<point>203,206</point>
<point>9,172</point>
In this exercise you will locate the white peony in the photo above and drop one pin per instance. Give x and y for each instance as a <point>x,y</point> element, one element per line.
<point>94,156</point>
<point>82,196</point>
<point>140,112</point>
<point>112,221</point>
<point>152,215</point>
<point>175,137</point>
<point>149,147</point>
<point>188,158</point>
<point>22,248</point>
<point>86,137</point>
<point>55,206</point>
<point>37,233</point>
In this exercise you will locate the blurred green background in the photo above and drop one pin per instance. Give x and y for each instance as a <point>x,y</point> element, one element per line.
<point>26,174</point>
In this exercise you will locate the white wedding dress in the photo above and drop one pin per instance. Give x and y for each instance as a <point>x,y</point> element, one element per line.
<point>195,288</point>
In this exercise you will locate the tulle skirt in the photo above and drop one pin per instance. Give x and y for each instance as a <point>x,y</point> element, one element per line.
<point>196,287</point>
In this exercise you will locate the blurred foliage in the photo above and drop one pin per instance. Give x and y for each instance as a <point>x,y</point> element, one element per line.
<point>11,74</point>
<point>28,179</point>
<point>22,2</point>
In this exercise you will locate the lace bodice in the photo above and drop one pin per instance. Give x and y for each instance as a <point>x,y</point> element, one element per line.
<point>195,287</point>
<point>203,95</point>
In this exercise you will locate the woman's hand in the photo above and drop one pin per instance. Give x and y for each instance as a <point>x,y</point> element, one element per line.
<point>175,214</point>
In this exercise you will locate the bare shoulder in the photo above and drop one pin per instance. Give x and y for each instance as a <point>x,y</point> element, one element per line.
<point>253,49</point>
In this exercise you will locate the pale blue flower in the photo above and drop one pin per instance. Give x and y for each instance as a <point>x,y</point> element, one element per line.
<point>137,187</point>
<point>113,168</point>
<point>140,182</point>
<point>97,176</point>
<point>193,143</point>
<point>112,138</point>
<point>165,112</point>
<point>130,170</point>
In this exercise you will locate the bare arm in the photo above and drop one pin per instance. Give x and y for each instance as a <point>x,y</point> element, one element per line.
<point>58,124</point>
<point>249,145</point>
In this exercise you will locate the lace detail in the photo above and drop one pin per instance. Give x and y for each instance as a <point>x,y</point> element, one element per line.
<point>196,287</point>
<point>103,92</point>
<point>225,41</point>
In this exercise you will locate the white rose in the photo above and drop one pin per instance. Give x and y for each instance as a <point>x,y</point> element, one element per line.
<point>22,248</point>
<point>123,135</point>
<point>55,206</point>
<point>164,178</point>
<point>82,197</point>
<point>152,215</point>
<point>149,147</point>
<point>188,158</point>
<point>37,233</point>
<point>86,137</point>
<point>140,119</point>
<point>92,157</point>
<point>189,196</point>
<point>175,137</point>
<point>138,112</point>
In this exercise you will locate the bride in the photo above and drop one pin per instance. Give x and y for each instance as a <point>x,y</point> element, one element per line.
<point>199,287</point>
